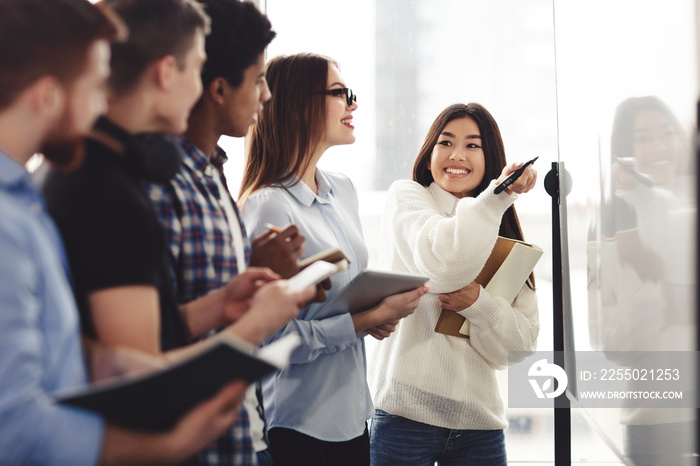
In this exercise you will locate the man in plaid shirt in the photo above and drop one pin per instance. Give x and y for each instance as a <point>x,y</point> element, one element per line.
<point>204,231</point>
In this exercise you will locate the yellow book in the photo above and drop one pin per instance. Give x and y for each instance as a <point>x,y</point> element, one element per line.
<point>504,274</point>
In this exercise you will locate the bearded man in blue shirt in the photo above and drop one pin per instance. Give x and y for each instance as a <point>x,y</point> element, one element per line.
<point>54,61</point>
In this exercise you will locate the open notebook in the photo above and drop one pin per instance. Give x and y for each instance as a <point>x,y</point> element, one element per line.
<point>155,400</point>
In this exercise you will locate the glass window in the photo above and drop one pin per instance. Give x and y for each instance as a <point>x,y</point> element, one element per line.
<point>627,90</point>
<point>409,59</point>
<point>554,95</point>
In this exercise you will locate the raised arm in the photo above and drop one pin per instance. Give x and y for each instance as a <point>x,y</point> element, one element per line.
<point>448,250</point>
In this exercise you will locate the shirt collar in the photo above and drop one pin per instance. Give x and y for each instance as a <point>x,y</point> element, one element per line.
<point>197,160</point>
<point>445,201</point>
<point>12,173</point>
<point>303,193</point>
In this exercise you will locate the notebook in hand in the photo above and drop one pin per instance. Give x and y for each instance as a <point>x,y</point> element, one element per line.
<point>315,273</point>
<point>333,255</point>
<point>504,274</point>
<point>155,401</point>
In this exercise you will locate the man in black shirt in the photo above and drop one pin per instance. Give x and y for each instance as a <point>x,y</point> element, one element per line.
<point>114,242</point>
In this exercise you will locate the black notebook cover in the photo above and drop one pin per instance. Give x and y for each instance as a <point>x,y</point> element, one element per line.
<point>156,401</point>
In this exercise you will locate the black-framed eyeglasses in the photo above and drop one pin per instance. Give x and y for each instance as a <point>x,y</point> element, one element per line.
<point>350,96</point>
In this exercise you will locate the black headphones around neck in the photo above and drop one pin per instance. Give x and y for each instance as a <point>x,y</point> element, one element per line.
<point>153,156</point>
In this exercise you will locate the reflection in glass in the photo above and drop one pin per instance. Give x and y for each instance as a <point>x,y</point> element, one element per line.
<point>642,281</point>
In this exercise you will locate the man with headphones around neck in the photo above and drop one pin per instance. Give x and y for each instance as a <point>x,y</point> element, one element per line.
<point>196,207</point>
<point>51,91</point>
<point>115,244</point>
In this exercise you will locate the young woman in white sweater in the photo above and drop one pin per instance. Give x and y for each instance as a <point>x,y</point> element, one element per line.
<point>436,396</point>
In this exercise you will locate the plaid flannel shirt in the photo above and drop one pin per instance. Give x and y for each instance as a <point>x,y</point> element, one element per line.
<point>200,240</point>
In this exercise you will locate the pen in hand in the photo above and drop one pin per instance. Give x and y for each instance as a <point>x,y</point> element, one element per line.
<point>272,228</point>
<point>513,176</point>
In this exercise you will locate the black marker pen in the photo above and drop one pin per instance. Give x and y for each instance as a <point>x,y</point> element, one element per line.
<point>513,176</point>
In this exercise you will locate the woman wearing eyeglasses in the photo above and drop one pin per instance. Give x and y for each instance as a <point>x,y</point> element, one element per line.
<point>436,395</point>
<point>317,407</point>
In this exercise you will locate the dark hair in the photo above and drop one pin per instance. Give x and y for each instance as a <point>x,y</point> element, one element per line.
<point>39,38</point>
<point>622,135</point>
<point>157,28</point>
<point>491,142</point>
<point>494,158</point>
<point>292,122</point>
<point>239,34</point>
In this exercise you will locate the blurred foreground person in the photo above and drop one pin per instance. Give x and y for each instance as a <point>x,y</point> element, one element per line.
<point>54,60</point>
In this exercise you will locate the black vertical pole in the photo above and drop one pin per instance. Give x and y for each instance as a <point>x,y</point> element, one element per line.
<point>697,278</point>
<point>562,408</point>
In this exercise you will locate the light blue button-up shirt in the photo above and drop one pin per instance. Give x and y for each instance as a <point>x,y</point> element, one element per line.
<point>40,349</point>
<point>323,391</point>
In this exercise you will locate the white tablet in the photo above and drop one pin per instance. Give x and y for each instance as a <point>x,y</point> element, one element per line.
<point>370,288</point>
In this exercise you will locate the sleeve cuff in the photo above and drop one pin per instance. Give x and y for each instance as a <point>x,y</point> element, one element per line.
<point>484,312</point>
<point>339,331</point>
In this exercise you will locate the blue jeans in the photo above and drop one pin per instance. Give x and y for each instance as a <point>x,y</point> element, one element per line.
<point>395,440</point>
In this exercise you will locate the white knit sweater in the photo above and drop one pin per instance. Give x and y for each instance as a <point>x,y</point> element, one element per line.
<point>426,376</point>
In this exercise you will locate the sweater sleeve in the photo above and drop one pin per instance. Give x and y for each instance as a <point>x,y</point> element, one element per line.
<point>497,328</point>
<point>450,251</point>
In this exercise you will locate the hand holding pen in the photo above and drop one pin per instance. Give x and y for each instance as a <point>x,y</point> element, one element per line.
<point>289,248</point>
<point>279,249</point>
<point>517,178</point>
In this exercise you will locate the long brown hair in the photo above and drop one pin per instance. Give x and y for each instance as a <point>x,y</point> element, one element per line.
<point>494,157</point>
<point>291,124</point>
